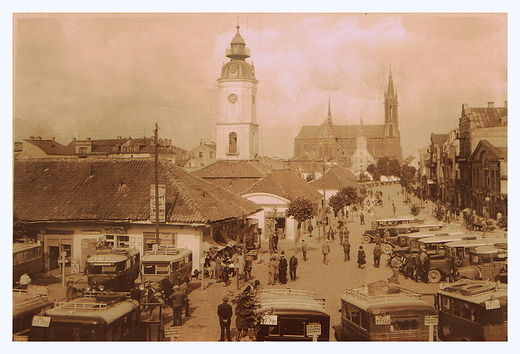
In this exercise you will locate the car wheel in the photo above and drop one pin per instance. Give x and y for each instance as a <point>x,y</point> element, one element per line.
<point>386,248</point>
<point>434,276</point>
<point>366,239</point>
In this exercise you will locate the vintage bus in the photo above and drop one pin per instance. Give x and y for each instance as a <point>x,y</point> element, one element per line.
<point>471,310</point>
<point>166,261</point>
<point>404,233</point>
<point>485,262</point>
<point>27,257</point>
<point>26,305</point>
<point>292,315</point>
<point>378,312</point>
<point>113,269</point>
<point>105,317</point>
<point>396,232</point>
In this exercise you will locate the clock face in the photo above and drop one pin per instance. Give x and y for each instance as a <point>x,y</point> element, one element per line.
<point>232,98</point>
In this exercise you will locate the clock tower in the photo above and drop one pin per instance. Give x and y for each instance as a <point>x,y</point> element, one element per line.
<point>237,129</point>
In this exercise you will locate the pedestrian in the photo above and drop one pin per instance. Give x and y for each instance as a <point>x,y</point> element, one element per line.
<point>25,281</point>
<point>218,268</point>
<point>225,312</point>
<point>212,268</point>
<point>71,290</point>
<point>275,240</point>
<point>167,288</point>
<point>248,267</point>
<point>241,266</point>
<point>416,267</point>
<point>282,269</point>
<point>341,234</point>
<point>408,264</point>
<point>361,219</point>
<point>346,249</point>
<point>186,301</point>
<point>305,247</point>
<point>426,268</point>
<point>177,301</point>
<point>293,264</point>
<point>325,249</point>
<point>310,228</point>
<point>395,263</point>
<point>361,257</point>
<point>272,271</point>
<point>331,233</point>
<point>377,254</point>
<point>379,235</point>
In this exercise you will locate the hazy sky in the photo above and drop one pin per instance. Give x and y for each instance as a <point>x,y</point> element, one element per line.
<point>108,75</point>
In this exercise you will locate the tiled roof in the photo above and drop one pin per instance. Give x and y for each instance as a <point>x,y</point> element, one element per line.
<point>233,169</point>
<point>342,131</point>
<point>117,190</point>
<point>50,147</point>
<point>335,178</point>
<point>439,139</point>
<point>284,183</point>
<point>234,185</point>
<point>499,152</point>
<point>486,117</point>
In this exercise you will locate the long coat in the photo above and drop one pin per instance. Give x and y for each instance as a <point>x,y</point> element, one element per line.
<point>361,257</point>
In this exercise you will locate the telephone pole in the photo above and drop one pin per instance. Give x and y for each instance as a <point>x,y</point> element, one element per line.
<point>156,184</point>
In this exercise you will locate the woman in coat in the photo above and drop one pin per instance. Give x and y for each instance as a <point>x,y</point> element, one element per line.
<point>361,257</point>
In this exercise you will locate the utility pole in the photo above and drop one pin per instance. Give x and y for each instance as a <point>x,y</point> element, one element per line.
<point>156,184</point>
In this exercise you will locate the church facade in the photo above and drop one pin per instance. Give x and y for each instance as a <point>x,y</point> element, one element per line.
<point>340,142</point>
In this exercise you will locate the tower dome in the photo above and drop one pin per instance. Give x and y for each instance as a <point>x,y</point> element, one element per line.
<point>237,68</point>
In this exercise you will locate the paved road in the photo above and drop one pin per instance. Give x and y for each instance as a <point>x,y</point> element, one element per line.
<point>328,281</point>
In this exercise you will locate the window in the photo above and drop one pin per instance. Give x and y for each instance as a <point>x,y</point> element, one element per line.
<point>233,148</point>
<point>404,323</point>
<point>201,154</point>
<point>293,327</point>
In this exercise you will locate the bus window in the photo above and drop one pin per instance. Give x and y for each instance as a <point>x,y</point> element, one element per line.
<point>274,330</point>
<point>404,323</point>
<point>175,265</point>
<point>149,269</point>
<point>294,327</point>
<point>162,269</point>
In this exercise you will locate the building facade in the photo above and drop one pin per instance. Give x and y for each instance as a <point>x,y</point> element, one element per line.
<point>329,141</point>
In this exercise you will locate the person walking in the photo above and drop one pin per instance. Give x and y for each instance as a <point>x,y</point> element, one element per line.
<point>395,263</point>
<point>272,271</point>
<point>310,228</point>
<point>177,301</point>
<point>305,247</point>
<point>361,219</point>
<point>408,266</point>
<point>377,254</point>
<point>218,268</point>
<point>241,266</point>
<point>325,249</point>
<point>426,268</point>
<point>361,257</point>
<point>293,264</point>
<point>282,269</point>
<point>248,267</point>
<point>346,233</point>
<point>185,300</point>
<point>225,312</point>
<point>346,249</point>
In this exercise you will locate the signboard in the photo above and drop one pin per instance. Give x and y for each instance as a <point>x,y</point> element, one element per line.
<point>383,320</point>
<point>173,331</point>
<point>162,203</point>
<point>313,329</point>
<point>431,320</point>
<point>119,230</point>
<point>41,321</point>
<point>269,320</point>
<point>492,304</point>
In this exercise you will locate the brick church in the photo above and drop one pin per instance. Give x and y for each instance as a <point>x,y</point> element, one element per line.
<point>355,146</point>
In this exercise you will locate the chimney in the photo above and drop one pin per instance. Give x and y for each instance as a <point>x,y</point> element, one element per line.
<point>491,104</point>
<point>53,138</point>
<point>31,137</point>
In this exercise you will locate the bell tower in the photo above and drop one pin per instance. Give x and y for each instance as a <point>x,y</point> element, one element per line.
<point>237,129</point>
<point>391,139</point>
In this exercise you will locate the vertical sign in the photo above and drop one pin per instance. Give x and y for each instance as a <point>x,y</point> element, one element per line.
<point>162,203</point>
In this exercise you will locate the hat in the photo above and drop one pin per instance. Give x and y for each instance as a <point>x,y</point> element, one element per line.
<point>175,287</point>
<point>283,253</point>
<point>157,294</point>
<point>225,299</point>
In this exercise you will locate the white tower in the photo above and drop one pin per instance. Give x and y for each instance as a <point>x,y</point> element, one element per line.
<point>237,130</point>
<point>361,158</point>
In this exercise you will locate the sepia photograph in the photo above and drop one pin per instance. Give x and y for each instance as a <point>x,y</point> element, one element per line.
<point>260,176</point>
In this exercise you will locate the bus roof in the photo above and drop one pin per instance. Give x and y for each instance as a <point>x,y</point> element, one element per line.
<point>90,307</point>
<point>403,298</point>
<point>26,302</point>
<point>17,247</point>
<point>425,235</point>
<point>165,255</point>
<point>400,218</point>
<point>112,255</point>
<point>476,291</point>
<point>488,249</point>
<point>447,238</point>
<point>290,301</point>
<point>483,241</point>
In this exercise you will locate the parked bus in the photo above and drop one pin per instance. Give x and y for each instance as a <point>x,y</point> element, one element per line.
<point>26,305</point>
<point>291,315</point>
<point>113,269</point>
<point>378,312</point>
<point>395,231</point>
<point>472,311</point>
<point>174,263</point>
<point>403,233</point>
<point>106,317</point>
<point>27,257</point>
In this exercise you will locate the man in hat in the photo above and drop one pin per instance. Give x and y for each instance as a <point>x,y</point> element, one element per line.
<point>224,312</point>
<point>177,300</point>
<point>282,269</point>
<point>325,249</point>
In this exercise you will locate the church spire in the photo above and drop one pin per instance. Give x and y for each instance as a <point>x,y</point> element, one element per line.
<point>238,50</point>
<point>390,93</point>
<point>361,125</point>
<point>329,115</point>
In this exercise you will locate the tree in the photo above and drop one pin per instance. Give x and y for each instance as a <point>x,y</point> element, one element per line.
<point>394,168</point>
<point>383,166</point>
<point>338,201</point>
<point>415,209</point>
<point>19,229</point>
<point>351,194</point>
<point>301,210</point>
